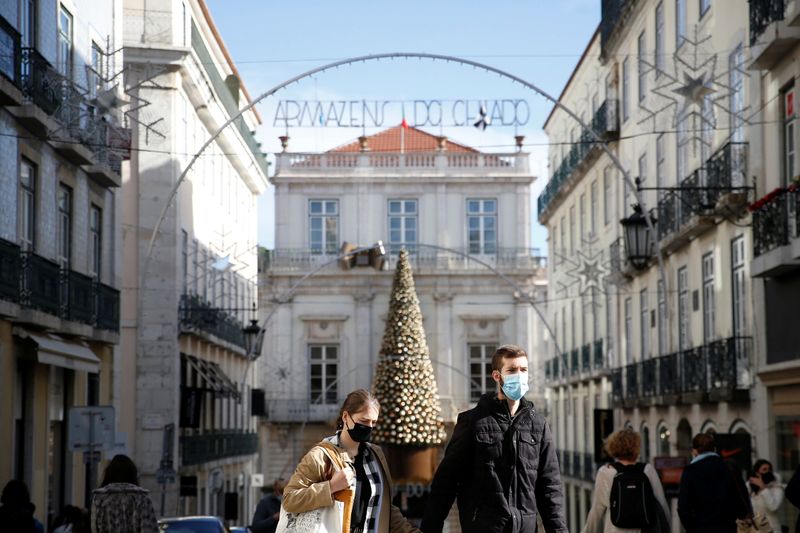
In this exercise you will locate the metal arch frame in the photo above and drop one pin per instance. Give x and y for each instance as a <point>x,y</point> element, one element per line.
<point>409,55</point>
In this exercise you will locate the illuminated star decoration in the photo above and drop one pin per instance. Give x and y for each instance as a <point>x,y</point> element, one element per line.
<point>691,90</point>
<point>588,269</point>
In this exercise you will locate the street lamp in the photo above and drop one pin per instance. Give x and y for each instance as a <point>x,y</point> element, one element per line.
<point>638,238</point>
<point>250,335</point>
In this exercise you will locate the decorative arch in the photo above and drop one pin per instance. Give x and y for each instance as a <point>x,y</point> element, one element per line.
<point>740,426</point>
<point>709,427</point>
<point>684,437</point>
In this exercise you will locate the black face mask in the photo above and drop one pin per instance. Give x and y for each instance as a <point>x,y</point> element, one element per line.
<point>359,432</point>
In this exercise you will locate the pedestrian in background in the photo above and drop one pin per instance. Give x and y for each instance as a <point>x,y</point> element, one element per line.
<point>16,509</point>
<point>268,510</point>
<point>624,446</point>
<point>766,493</point>
<point>712,497</point>
<point>120,505</point>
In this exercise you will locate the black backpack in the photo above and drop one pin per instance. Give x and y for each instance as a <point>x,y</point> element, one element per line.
<point>632,505</point>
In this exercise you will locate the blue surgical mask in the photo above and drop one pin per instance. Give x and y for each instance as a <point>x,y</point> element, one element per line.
<point>515,385</point>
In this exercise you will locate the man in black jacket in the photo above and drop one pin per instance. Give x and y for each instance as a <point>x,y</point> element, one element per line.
<point>712,494</point>
<point>500,464</point>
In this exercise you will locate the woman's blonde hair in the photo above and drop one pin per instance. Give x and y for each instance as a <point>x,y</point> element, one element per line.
<point>357,401</point>
<point>624,444</point>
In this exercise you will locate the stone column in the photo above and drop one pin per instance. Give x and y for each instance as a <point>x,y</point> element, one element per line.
<point>442,348</point>
<point>364,350</point>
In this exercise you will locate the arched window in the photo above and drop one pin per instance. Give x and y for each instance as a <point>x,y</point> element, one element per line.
<point>709,427</point>
<point>684,438</point>
<point>664,435</point>
<point>740,426</point>
<point>644,455</point>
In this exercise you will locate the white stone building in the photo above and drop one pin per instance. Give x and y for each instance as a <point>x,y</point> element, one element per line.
<point>672,357</point>
<point>59,235</point>
<point>409,189</point>
<point>184,309</point>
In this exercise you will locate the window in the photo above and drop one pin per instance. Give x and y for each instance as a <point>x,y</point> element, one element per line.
<point>662,319</point>
<point>195,265</point>
<point>628,330</point>
<point>65,43</point>
<point>607,196</point>
<point>27,205</point>
<point>96,73</point>
<point>739,286</point>
<point>324,371</point>
<point>593,210</point>
<point>482,226</point>
<point>705,5</point>
<point>736,101</point>
<point>680,22</point>
<point>572,229</point>
<point>27,23</point>
<point>64,245</point>
<point>659,51</point>
<point>402,225</point>
<point>323,226</point>
<point>708,297</point>
<point>683,309</point>
<point>661,166</point>
<point>789,122</point>
<point>641,68</point>
<point>644,325</point>
<point>645,452</point>
<point>96,240</point>
<point>582,220</point>
<point>480,369</point>
<point>185,260</point>
<point>625,89</point>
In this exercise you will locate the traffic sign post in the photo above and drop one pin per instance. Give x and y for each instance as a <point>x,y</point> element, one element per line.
<point>91,429</point>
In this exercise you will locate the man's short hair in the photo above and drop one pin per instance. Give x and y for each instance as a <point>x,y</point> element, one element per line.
<point>506,351</point>
<point>704,442</point>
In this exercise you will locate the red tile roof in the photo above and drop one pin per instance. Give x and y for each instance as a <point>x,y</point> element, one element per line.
<point>412,140</point>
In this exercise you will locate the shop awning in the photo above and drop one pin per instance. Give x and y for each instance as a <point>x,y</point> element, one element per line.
<point>212,376</point>
<point>52,349</point>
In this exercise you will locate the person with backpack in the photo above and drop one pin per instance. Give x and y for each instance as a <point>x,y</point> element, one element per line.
<point>711,496</point>
<point>628,495</point>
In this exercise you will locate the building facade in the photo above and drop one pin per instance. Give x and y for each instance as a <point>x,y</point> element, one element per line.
<point>670,350</point>
<point>188,409</point>
<point>59,235</point>
<point>775,262</point>
<point>444,202</point>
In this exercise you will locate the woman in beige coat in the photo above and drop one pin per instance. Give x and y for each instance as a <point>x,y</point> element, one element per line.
<point>623,446</point>
<point>316,480</point>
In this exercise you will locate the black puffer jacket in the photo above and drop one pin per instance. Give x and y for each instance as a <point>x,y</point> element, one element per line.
<point>502,469</point>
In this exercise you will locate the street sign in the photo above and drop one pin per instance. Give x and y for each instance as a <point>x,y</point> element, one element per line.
<point>90,428</point>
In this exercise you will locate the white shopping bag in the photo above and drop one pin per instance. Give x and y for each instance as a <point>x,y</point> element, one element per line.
<point>322,520</point>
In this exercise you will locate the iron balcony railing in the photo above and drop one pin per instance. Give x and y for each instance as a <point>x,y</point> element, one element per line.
<point>777,221</point>
<point>726,170</point>
<point>574,362</point>
<point>299,411</point>
<point>722,365</point>
<point>762,14</point>
<point>567,462</point>
<point>605,123</point>
<point>577,472</point>
<point>9,271</point>
<point>10,52</point>
<point>617,390</point>
<point>81,297</point>
<point>599,356</point>
<point>107,310</point>
<point>196,314</point>
<point>41,83</point>
<point>422,257</point>
<point>588,467</point>
<point>40,284</point>
<point>212,446</point>
<point>586,357</point>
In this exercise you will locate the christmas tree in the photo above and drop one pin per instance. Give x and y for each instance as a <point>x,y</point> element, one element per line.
<point>404,381</point>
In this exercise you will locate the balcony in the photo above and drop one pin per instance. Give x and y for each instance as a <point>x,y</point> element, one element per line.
<point>423,260</point>
<point>599,359</point>
<point>213,446</point>
<point>566,466</point>
<point>9,271</point>
<point>41,284</point>
<point>771,37</point>
<point>574,366</point>
<point>10,65</point>
<point>617,390</point>
<point>586,358</point>
<point>583,153</point>
<point>197,315</point>
<point>717,371</point>
<point>299,411</point>
<point>776,232</point>
<point>588,467</point>
<point>41,91</point>
<point>718,188</point>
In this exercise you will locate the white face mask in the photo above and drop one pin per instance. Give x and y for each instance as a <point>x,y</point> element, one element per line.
<point>515,386</point>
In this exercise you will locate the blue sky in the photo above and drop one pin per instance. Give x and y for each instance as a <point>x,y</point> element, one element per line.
<point>537,40</point>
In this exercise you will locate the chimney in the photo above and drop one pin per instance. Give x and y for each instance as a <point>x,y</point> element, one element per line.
<point>520,140</point>
<point>284,142</point>
<point>363,143</point>
<point>441,143</point>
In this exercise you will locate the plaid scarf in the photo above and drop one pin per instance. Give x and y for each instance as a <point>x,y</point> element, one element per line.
<point>369,488</point>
